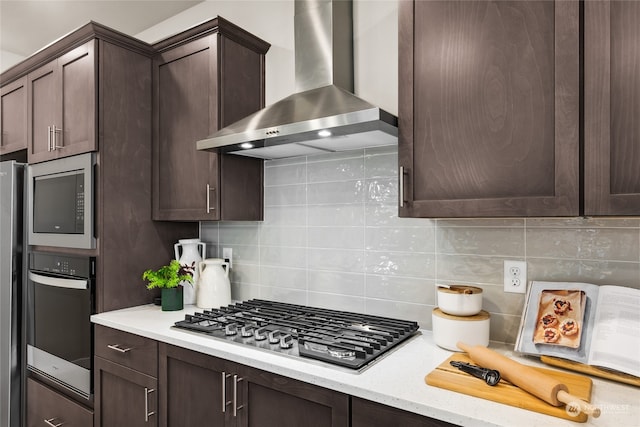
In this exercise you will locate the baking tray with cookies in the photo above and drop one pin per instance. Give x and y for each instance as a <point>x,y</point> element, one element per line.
<point>584,323</point>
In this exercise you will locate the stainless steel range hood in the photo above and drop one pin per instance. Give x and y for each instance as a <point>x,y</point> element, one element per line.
<point>323,115</point>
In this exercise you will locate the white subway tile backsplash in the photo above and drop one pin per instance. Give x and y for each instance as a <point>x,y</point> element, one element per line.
<point>406,239</point>
<point>337,302</point>
<point>583,243</point>
<point>381,190</point>
<point>285,195</point>
<point>336,282</point>
<point>285,174</point>
<point>402,289</point>
<point>347,260</point>
<point>336,237</point>
<point>285,215</point>
<point>284,277</point>
<point>481,241</point>
<point>347,192</point>
<point>381,165</point>
<point>336,215</point>
<point>331,237</point>
<point>336,170</point>
<point>407,264</point>
<point>283,236</point>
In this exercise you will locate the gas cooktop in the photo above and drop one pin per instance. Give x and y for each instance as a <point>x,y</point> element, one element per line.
<point>346,339</point>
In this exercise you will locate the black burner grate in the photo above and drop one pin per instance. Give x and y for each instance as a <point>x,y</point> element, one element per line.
<point>341,338</point>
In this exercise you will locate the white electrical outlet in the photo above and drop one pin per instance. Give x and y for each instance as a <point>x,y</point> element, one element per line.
<point>227,255</point>
<point>515,276</point>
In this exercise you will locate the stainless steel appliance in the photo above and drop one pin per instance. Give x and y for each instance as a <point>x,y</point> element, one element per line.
<point>11,279</point>
<point>323,115</point>
<point>60,202</point>
<point>346,339</point>
<point>60,301</point>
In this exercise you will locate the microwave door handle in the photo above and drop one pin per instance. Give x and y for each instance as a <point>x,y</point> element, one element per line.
<point>58,282</point>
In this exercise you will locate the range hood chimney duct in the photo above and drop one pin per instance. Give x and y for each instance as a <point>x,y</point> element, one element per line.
<point>323,115</point>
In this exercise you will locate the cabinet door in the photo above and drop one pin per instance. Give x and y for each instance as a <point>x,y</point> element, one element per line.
<point>77,85</point>
<point>365,413</point>
<point>489,108</point>
<point>270,400</point>
<point>200,87</point>
<point>13,116</point>
<point>192,389</point>
<point>62,106</point>
<point>185,180</point>
<point>47,407</point>
<point>124,397</point>
<point>612,107</point>
<point>43,111</point>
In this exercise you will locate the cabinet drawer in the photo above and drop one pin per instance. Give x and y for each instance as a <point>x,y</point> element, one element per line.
<point>46,407</point>
<point>133,351</point>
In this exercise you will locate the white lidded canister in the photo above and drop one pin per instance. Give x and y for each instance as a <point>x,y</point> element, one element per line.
<point>448,330</point>
<point>214,288</point>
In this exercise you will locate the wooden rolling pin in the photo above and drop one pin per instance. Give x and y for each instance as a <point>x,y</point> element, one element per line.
<point>532,381</point>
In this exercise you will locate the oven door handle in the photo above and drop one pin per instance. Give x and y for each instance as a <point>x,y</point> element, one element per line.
<point>58,282</point>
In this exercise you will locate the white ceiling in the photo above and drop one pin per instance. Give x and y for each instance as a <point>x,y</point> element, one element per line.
<point>27,26</point>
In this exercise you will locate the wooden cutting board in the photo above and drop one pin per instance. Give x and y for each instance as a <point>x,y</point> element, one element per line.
<point>450,378</point>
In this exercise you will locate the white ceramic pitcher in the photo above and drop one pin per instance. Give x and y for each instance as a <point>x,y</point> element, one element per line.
<point>193,251</point>
<point>214,288</point>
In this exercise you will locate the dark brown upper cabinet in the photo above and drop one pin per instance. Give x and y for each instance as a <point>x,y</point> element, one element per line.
<point>62,105</point>
<point>204,79</point>
<point>612,107</point>
<point>13,116</point>
<point>489,108</point>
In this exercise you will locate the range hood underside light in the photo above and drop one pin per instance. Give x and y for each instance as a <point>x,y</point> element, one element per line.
<point>375,138</point>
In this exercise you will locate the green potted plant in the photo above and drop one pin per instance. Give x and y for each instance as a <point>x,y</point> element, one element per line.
<point>167,278</point>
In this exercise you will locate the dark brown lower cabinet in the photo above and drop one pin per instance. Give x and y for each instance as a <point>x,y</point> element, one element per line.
<point>124,397</point>
<point>196,390</point>
<point>48,407</point>
<point>365,413</point>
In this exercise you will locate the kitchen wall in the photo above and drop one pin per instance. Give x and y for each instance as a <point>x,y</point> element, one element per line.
<point>331,237</point>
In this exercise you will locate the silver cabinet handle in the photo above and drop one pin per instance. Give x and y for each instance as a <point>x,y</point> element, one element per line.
<point>117,348</point>
<point>49,141</point>
<point>147,414</point>
<point>50,422</point>
<point>55,131</point>
<point>401,186</point>
<point>209,190</point>
<point>236,380</point>
<point>224,391</point>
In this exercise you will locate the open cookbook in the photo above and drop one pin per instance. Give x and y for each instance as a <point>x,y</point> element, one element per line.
<point>582,322</point>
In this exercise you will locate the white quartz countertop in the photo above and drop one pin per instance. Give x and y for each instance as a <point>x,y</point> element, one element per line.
<point>396,380</point>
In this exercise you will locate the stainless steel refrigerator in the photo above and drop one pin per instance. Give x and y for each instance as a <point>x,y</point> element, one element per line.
<point>12,263</point>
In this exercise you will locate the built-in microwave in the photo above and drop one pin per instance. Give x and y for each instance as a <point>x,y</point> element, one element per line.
<point>60,198</point>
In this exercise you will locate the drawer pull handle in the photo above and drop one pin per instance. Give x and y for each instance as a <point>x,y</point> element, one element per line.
<point>224,391</point>
<point>55,131</point>
<point>209,190</point>
<point>49,141</point>
<point>117,348</point>
<point>147,414</point>
<point>50,422</point>
<point>236,380</point>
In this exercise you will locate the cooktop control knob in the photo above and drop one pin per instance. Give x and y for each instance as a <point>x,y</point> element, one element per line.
<point>286,341</point>
<point>274,337</point>
<point>246,331</point>
<point>231,329</point>
<point>260,334</point>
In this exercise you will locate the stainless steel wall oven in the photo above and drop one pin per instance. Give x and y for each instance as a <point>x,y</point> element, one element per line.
<point>60,302</point>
